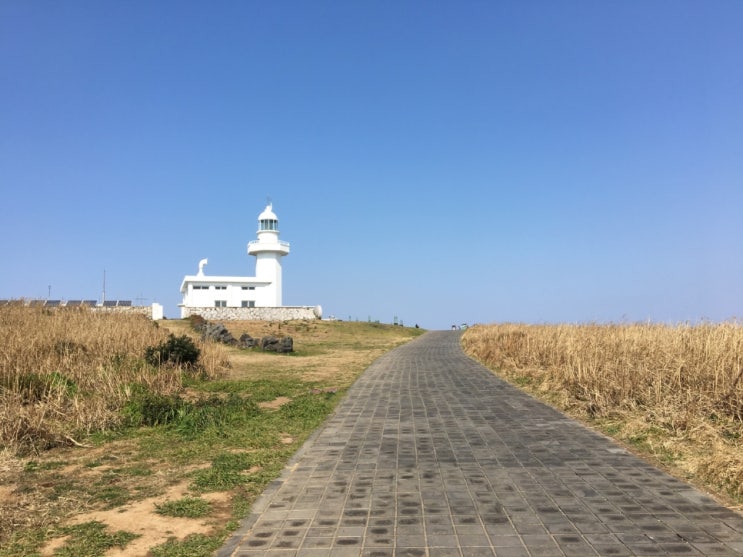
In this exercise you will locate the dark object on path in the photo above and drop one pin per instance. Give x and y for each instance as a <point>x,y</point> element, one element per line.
<point>280,345</point>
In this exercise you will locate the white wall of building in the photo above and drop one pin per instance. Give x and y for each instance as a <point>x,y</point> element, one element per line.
<point>157,311</point>
<point>234,292</point>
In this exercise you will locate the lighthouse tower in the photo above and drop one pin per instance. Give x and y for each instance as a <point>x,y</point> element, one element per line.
<point>268,250</point>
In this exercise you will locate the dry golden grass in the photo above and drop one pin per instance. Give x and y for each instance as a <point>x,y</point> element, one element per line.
<point>672,391</point>
<point>67,372</point>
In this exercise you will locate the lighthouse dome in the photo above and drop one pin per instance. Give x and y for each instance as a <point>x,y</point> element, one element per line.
<point>268,220</point>
<point>268,213</point>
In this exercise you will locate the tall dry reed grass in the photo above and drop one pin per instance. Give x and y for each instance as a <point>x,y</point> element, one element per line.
<point>694,368</point>
<point>67,372</point>
<point>681,383</point>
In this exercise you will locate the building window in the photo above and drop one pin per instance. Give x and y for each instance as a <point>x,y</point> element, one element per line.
<point>220,288</point>
<point>220,303</point>
<point>269,224</point>
<point>248,287</point>
<point>248,304</point>
<point>200,287</point>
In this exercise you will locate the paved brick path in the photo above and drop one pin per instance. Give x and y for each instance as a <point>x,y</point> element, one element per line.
<point>430,454</point>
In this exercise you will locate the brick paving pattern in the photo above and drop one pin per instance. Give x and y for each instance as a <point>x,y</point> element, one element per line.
<point>432,455</point>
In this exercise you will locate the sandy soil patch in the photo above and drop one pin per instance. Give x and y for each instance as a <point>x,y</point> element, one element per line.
<point>275,403</point>
<point>141,518</point>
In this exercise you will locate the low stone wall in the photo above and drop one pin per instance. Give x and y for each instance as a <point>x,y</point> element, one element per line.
<point>140,310</point>
<point>252,314</point>
<point>154,312</point>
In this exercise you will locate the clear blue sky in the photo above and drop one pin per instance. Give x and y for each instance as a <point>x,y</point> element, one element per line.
<point>446,162</point>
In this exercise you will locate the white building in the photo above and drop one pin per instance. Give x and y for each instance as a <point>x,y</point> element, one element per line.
<point>258,297</point>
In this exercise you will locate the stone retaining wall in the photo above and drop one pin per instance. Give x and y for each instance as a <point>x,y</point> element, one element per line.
<point>252,314</point>
<point>141,310</point>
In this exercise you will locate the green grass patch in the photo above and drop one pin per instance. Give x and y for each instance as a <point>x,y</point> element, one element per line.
<point>91,539</point>
<point>136,470</point>
<point>308,411</point>
<point>226,472</point>
<point>189,418</point>
<point>25,542</point>
<point>61,489</point>
<point>187,507</point>
<point>36,466</point>
<point>215,413</point>
<point>195,545</point>
<point>111,496</point>
<point>261,390</point>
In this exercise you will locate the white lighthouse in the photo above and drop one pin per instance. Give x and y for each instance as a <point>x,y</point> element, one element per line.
<point>268,250</point>
<point>234,297</point>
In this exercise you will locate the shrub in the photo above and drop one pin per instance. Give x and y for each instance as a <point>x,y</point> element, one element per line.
<point>175,350</point>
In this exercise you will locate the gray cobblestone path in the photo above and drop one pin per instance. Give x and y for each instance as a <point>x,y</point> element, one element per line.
<point>432,455</point>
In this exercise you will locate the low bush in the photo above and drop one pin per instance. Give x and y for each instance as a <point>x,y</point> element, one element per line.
<point>175,351</point>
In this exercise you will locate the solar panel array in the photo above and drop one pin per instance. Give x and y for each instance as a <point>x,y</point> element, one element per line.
<point>68,303</point>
